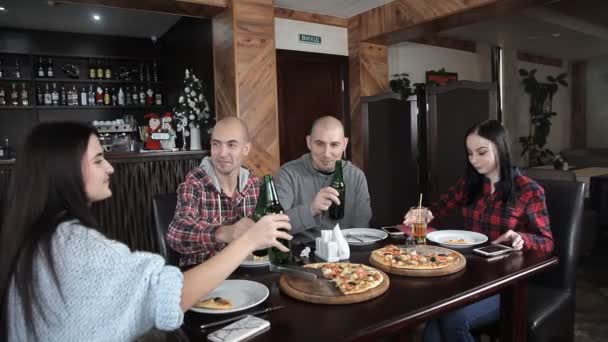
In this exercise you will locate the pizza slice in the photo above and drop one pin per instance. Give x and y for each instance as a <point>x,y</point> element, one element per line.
<point>217,303</point>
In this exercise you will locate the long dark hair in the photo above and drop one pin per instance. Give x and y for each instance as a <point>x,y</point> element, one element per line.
<point>496,133</point>
<point>46,189</point>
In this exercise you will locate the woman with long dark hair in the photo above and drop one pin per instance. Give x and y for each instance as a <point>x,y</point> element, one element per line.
<point>496,200</point>
<point>62,280</point>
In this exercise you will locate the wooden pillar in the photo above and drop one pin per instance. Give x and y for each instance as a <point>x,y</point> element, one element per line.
<point>368,75</point>
<point>578,133</point>
<point>245,76</point>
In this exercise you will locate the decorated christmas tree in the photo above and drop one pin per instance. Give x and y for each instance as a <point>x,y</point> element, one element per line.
<point>192,111</point>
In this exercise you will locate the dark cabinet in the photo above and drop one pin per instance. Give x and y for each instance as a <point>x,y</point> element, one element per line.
<point>418,145</point>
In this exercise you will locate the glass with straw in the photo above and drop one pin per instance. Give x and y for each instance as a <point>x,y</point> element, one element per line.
<point>420,216</point>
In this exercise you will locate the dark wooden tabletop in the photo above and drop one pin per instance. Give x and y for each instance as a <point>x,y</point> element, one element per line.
<point>407,302</point>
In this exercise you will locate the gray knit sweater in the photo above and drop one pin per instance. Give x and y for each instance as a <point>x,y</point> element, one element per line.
<point>110,293</point>
<point>298,182</point>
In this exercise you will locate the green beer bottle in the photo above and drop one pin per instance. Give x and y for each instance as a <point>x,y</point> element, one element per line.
<point>260,211</point>
<point>336,212</point>
<point>273,206</point>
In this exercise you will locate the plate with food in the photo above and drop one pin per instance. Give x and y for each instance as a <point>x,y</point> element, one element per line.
<point>418,261</point>
<point>255,261</point>
<point>456,238</point>
<point>363,236</point>
<point>231,296</point>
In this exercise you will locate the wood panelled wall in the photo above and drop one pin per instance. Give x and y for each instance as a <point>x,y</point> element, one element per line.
<point>245,66</point>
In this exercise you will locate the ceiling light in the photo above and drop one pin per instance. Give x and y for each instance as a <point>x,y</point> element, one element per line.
<point>556,35</point>
<point>2,9</point>
<point>96,17</point>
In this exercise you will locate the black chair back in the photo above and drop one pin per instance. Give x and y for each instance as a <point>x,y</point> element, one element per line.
<point>164,208</point>
<point>565,206</point>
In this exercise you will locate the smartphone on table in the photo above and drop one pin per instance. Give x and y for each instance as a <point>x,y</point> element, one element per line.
<point>240,330</point>
<point>493,250</point>
<point>392,230</point>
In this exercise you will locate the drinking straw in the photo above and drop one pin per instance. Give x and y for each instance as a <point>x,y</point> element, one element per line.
<point>420,208</point>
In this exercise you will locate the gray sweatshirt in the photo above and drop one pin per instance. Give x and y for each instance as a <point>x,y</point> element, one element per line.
<point>297,184</point>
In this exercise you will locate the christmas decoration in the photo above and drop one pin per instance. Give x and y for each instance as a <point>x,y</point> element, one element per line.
<point>167,127</point>
<point>192,111</point>
<point>153,127</point>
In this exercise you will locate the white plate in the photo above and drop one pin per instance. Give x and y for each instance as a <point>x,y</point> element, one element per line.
<point>243,294</point>
<point>249,262</point>
<point>470,238</point>
<point>368,235</point>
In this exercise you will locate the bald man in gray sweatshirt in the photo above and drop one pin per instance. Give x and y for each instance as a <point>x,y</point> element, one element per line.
<point>303,184</point>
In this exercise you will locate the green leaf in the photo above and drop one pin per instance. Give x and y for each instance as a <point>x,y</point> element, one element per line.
<point>551,79</point>
<point>523,72</point>
<point>532,72</point>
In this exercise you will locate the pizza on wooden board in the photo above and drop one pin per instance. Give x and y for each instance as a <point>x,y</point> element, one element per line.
<point>416,258</point>
<point>350,278</point>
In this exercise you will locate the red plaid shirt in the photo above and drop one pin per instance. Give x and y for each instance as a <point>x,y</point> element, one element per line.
<point>528,217</point>
<point>201,210</point>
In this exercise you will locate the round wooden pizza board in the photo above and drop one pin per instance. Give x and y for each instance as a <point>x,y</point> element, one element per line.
<point>453,268</point>
<point>325,292</point>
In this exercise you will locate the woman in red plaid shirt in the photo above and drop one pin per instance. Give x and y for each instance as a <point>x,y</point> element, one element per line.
<point>495,200</point>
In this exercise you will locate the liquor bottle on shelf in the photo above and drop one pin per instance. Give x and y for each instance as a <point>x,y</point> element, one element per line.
<point>14,95</point>
<point>17,69</point>
<point>63,97</point>
<point>74,96</point>
<point>135,96</point>
<point>107,98</point>
<point>2,97</point>
<point>40,68</point>
<point>121,97</point>
<point>83,97</point>
<point>49,69</point>
<point>92,70</point>
<point>91,96</point>
<point>154,72</point>
<point>158,98</point>
<point>99,70</point>
<point>1,68</point>
<point>25,96</point>
<point>114,98</point>
<point>55,95</point>
<point>39,96</point>
<point>99,96</point>
<point>142,96</point>
<point>141,72</point>
<point>148,77</point>
<point>5,150</point>
<point>108,71</point>
<point>48,97</point>
<point>149,96</point>
<point>128,99</point>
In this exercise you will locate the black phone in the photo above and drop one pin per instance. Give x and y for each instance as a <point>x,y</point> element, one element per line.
<point>493,250</point>
<point>392,230</point>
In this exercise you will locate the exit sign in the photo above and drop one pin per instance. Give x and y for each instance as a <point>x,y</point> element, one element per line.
<point>310,39</point>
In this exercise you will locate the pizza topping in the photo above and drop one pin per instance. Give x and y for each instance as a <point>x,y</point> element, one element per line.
<point>420,257</point>
<point>350,278</point>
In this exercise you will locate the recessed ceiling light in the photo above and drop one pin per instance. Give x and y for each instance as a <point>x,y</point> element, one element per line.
<point>556,35</point>
<point>2,9</point>
<point>96,17</point>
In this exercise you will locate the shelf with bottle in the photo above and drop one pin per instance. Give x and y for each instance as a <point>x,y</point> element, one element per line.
<point>15,67</point>
<point>93,81</point>
<point>16,94</point>
<point>97,107</point>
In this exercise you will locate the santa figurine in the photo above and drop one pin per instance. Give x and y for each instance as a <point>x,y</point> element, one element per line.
<point>167,127</point>
<point>153,127</point>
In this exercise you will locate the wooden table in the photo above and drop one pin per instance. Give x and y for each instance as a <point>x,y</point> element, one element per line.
<point>408,302</point>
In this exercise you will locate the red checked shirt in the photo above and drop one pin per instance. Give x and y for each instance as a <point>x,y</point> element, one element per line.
<point>201,210</point>
<point>528,216</point>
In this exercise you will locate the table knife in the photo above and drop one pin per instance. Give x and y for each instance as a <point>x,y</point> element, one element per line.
<point>305,272</point>
<point>235,318</point>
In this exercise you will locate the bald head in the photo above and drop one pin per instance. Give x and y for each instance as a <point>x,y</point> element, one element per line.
<point>234,126</point>
<point>326,123</point>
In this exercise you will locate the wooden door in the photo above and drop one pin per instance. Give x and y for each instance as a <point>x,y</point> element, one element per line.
<point>310,85</point>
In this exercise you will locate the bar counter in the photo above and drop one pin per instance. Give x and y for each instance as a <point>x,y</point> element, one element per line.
<point>127,215</point>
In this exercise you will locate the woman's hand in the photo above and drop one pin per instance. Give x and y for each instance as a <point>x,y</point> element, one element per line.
<point>265,232</point>
<point>512,238</point>
<point>411,215</point>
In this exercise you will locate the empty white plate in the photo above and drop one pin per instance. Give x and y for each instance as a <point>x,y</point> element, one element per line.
<point>243,294</point>
<point>363,236</point>
<point>456,238</point>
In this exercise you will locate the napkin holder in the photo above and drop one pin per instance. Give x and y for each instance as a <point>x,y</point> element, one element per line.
<point>326,248</point>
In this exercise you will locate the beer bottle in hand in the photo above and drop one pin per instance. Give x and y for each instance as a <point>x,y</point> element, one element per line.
<point>336,212</point>
<point>273,206</point>
<point>260,211</point>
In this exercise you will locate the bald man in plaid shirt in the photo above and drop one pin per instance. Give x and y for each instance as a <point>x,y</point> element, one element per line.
<point>217,198</point>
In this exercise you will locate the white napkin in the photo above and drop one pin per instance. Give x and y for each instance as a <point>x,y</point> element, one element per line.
<point>343,248</point>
